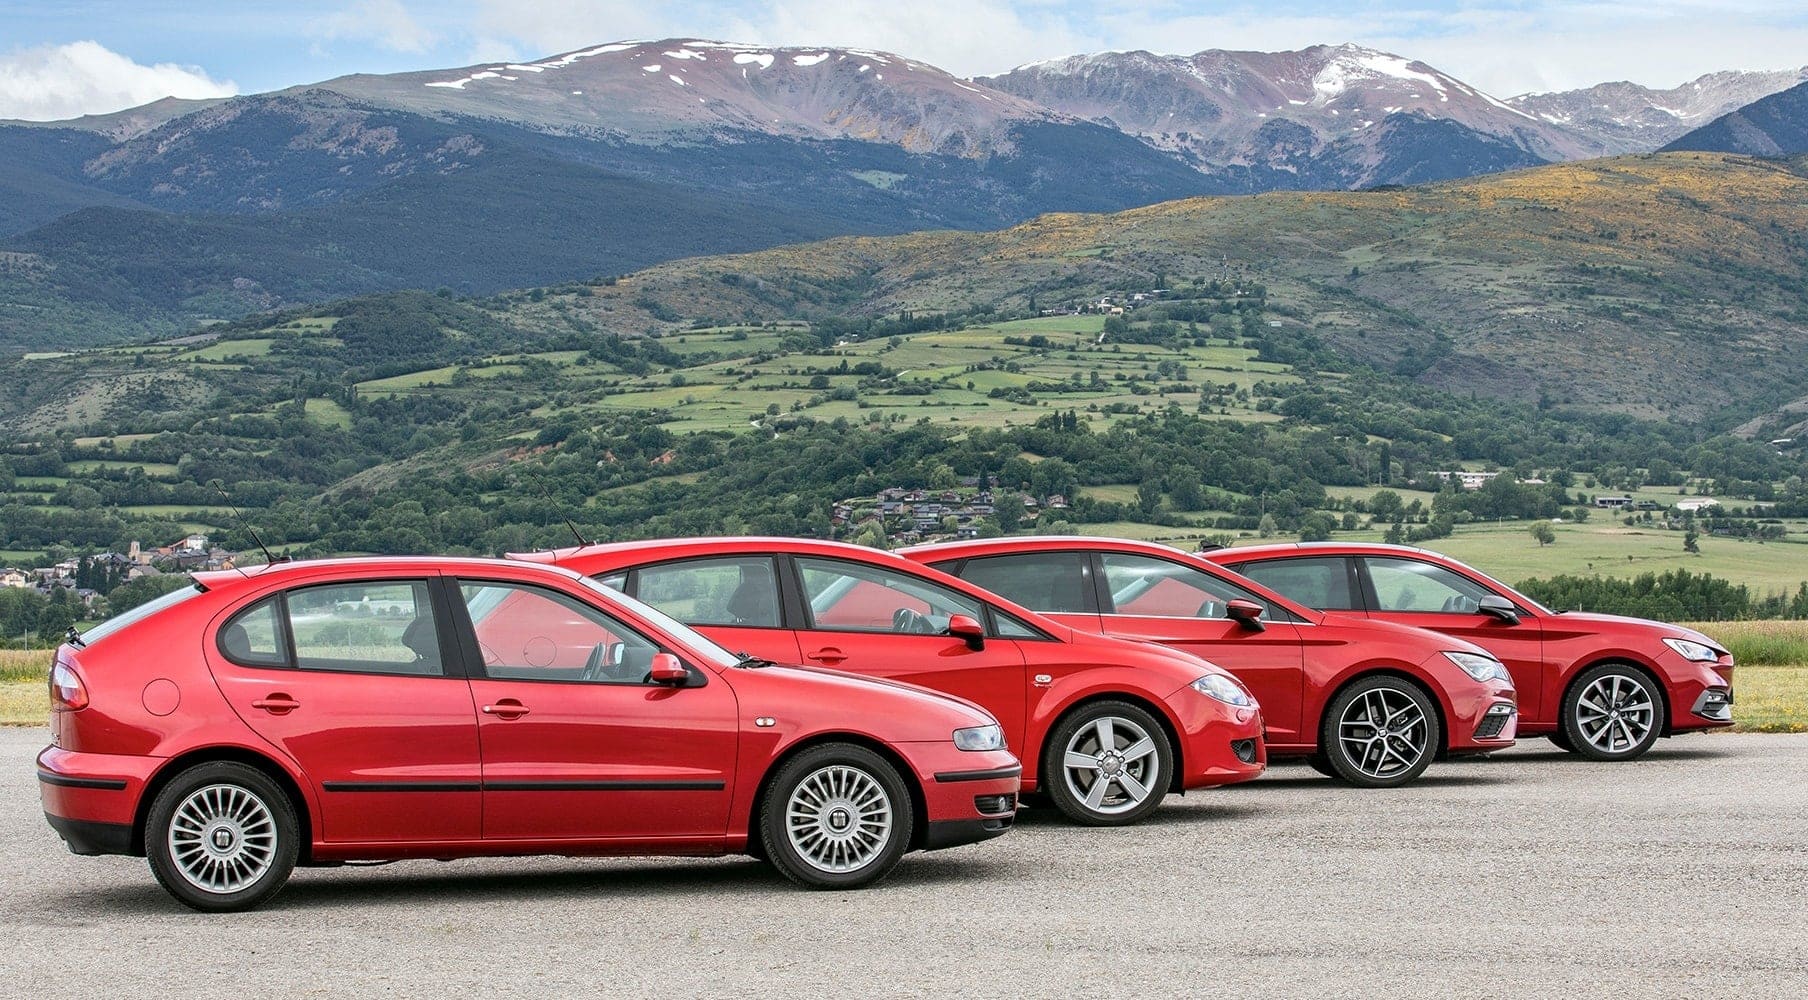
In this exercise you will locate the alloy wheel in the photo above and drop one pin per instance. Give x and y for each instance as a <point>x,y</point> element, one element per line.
<point>839,818</point>
<point>222,838</point>
<point>1111,765</point>
<point>1383,733</point>
<point>1615,713</point>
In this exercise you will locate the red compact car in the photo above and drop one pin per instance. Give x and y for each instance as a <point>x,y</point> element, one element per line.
<point>1367,702</point>
<point>1601,686</point>
<point>319,712</point>
<point>1105,728</point>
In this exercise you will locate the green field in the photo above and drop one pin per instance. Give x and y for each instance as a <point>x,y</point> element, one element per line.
<point>327,412</point>
<point>152,469</point>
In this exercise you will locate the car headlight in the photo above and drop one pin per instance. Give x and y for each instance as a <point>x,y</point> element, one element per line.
<point>1224,689</point>
<point>1688,649</point>
<point>1482,668</point>
<point>979,738</point>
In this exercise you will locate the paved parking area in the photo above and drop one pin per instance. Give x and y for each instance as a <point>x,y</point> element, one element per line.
<point>1529,874</point>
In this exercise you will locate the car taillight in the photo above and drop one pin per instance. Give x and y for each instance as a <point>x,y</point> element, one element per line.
<point>67,693</point>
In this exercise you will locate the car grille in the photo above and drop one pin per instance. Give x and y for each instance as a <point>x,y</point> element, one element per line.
<point>1494,722</point>
<point>992,805</point>
<point>1245,750</point>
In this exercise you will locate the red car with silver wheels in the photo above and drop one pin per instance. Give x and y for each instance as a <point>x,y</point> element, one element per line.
<point>1105,727</point>
<point>374,709</point>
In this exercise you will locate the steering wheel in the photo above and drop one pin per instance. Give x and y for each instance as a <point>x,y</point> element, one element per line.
<point>906,620</point>
<point>596,668</point>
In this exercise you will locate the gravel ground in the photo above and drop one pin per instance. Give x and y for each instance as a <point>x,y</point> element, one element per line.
<point>1530,874</point>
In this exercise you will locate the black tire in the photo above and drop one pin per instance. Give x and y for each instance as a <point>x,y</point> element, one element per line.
<point>1561,740</point>
<point>258,838</point>
<point>1612,712</point>
<point>1321,765</point>
<point>1387,755</point>
<point>1150,770</point>
<point>877,797</point>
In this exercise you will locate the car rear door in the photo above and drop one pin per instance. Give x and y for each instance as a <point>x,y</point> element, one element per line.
<point>355,682</point>
<point>882,622</point>
<point>578,744</point>
<point>733,599</point>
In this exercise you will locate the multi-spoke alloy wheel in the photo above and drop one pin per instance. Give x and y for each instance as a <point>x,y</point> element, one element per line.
<point>1380,732</point>
<point>836,816</point>
<point>1109,763</point>
<point>1612,712</point>
<point>222,836</point>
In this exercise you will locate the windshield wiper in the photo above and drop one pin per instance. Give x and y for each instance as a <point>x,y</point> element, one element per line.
<point>752,662</point>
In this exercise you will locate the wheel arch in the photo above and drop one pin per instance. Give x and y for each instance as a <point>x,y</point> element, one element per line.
<point>919,824</point>
<point>173,767</point>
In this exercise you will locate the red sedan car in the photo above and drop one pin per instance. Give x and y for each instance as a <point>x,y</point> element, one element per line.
<point>1367,702</point>
<point>320,712</point>
<point>1602,686</point>
<point>1105,728</point>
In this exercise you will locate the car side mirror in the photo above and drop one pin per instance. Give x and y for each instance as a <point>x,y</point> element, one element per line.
<point>668,669</point>
<point>963,627</point>
<point>1499,607</point>
<point>1246,613</point>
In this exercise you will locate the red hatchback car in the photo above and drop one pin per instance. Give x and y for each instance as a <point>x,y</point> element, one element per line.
<point>1602,686</point>
<point>320,712</point>
<point>1367,702</point>
<point>1105,728</point>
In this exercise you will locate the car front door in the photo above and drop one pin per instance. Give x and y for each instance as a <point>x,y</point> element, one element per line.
<point>1161,600</point>
<point>1421,593</point>
<point>578,743</point>
<point>354,682</point>
<point>881,622</point>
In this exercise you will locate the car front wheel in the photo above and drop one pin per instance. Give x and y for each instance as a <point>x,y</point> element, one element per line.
<point>1613,712</point>
<point>222,837</point>
<point>1107,764</point>
<point>836,816</point>
<point>1380,732</point>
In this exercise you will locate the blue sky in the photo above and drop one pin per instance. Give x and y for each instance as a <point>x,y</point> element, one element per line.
<point>1507,47</point>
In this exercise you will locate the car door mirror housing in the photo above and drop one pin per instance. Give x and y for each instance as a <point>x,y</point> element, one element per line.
<point>1499,607</point>
<point>668,669</point>
<point>1246,613</point>
<point>963,627</point>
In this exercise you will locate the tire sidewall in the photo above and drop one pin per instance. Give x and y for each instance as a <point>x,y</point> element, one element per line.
<point>252,780</point>
<point>1572,727</point>
<point>775,839</point>
<point>1330,747</point>
<point>1053,779</point>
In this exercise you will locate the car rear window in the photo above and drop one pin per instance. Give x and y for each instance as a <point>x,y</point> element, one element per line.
<point>138,614</point>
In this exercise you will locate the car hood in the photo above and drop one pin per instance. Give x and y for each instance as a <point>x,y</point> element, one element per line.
<point>1442,641</point>
<point>1623,623</point>
<point>911,698</point>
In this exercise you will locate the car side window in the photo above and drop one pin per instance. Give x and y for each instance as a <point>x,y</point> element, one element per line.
<point>1145,585</point>
<point>532,634</point>
<point>1411,585</point>
<point>254,636</point>
<point>1322,583</point>
<point>738,590</point>
<point>378,626</point>
<point>853,597</point>
<point>1049,582</point>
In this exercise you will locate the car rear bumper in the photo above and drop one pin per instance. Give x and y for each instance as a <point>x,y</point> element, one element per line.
<point>91,800</point>
<point>1219,744</point>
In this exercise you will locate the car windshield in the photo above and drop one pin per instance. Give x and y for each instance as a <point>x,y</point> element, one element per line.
<point>697,641</point>
<point>138,614</point>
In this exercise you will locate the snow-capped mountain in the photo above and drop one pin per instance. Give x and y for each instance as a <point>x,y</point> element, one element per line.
<point>1627,118</point>
<point>1776,125</point>
<point>1279,110</point>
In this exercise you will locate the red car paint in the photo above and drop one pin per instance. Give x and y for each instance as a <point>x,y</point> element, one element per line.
<point>1546,651</point>
<point>1029,681</point>
<point>460,755</point>
<point>1294,667</point>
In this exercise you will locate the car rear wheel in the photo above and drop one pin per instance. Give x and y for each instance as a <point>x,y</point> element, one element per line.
<point>1561,740</point>
<point>1107,764</point>
<point>1613,712</point>
<point>1380,732</point>
<point>836,816</point>
<point>222,837</point>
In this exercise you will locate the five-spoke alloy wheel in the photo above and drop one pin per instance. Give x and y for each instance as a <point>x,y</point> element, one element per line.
<point>1612,712</point>
<point>1380,732</point>
<point>1108,763</point>
<point>836,816</point>
<point>222,836</point>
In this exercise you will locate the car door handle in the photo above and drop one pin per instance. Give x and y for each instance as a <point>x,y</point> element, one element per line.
<point>507,708</point>
<point>827,654</point>
<point>277,704</point>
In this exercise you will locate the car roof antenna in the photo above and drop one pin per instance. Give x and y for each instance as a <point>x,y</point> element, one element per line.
<point>265,549</point>
<point>582,541</point>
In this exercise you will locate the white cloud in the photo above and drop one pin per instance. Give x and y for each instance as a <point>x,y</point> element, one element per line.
<point>384,23</point>
<point>53,82</point>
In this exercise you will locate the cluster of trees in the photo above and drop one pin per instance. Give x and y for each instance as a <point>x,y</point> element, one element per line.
<point>1675,595</point>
